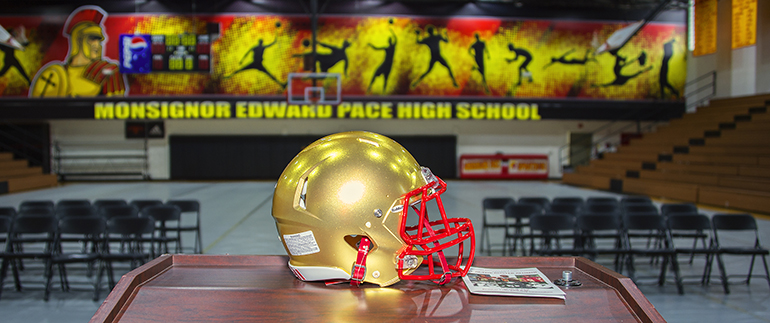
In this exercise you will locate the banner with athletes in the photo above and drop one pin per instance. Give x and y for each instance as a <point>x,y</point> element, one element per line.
<point>91,53</point>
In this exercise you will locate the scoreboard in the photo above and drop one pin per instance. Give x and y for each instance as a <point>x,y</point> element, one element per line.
<point>165,53</point>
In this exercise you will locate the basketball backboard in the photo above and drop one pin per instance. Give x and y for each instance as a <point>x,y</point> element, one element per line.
<point>314,88</point>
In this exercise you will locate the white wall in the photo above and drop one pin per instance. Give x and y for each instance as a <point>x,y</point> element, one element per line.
<point>474,137</point>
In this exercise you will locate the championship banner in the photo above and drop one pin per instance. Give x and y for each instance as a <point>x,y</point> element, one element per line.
<point>501,166</point>
<point>92,53</point>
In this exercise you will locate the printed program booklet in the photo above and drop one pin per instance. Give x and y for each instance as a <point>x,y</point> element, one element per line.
<point>527,282</point>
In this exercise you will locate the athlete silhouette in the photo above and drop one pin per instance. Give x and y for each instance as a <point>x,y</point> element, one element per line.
<point>9,60</point>
<point>523,71</point>
<point>668,52</point>
<point>387,62</point>
<point>327,61</point>
<point>574,61</point>
<point>257,56</point>
<point>620,63</point>
<point>477,50</point>
<point>433,41</point>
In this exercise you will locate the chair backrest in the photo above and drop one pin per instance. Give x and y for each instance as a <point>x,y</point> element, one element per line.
<point>36,210</point>
<point>35,204</point>
<point>734,222</point>
<point>568,200</point>
<point>671,208</point>
<point>520,210</point>
<point>5,223</point>
<point>602,208</point>
<point>141,204</point>
<point>544,202</point>
<point>76,211</point>
<point>35,224</point>
<point>567,208</point>
<point>601,200</point>
<point>635,208</point>
<point>162,212</point>
<point>111,211</point>
<point>688,221</point>
<point>131,225</point>
<point>8,211</point>
<point>186,205</point>
<point>552,222</point>
<point>82,225</point>
<point>644,221</point>
<point>635,200</point>
<point>598,222</point>
<point>72,202</point>
<point>105,202</point>
<point>495,203</point>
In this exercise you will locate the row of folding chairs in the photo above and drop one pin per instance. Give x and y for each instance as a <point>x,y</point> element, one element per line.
<point>168,220</point>
<point>649,235</point>
<point>92,241</point>
<point>565,204</point>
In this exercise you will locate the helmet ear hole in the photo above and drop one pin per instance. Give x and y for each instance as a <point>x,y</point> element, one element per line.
<point>354,240</point>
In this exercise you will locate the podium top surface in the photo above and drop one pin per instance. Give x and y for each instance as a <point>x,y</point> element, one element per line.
<point>208,288</point>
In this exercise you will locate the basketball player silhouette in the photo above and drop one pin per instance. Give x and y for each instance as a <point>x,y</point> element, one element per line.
<point>620,63</point>
<point>668,52</point>
<point>9,60</point>
<point>387,62</point>
<point>433,41</point>
<point>257,57</point>
<point>477,50</point>
<point>523,71</point>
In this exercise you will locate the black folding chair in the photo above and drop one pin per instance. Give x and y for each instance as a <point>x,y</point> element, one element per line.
<point>79,240</point>
<point>684,227</point>
<point>167,218</point>
<point>553,234</point>
<point>601,234</point>
<point>192,207</point>
<point>111,211</point>
<point>72,202</point>
<point>36,204</point>
<point>517,217</point>
<point>672,208</point>
<point>494,204</point>
<point>602,200</point>
<point>746,225</point>
<point>134,239</point>
<point>142,203</point>
<point>543,202</point>
<point>32,237</point>
<point>645,226</point>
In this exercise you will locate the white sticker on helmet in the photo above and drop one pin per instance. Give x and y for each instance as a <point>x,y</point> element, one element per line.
<point>300,244</point>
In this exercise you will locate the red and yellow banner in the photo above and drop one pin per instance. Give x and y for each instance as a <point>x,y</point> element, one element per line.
<point>252,55</point>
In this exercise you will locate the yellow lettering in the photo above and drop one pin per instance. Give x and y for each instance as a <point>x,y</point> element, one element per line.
<point>463,111</point>
<point>428,110</point>
<point>191,109</point>
<point>308,111</point>
<point>223,109</point>
<point>164,110</point>
<point>522,111</point>
<point>358,111</point>
<point>342,110</point>
<point>104,110</point>
<point>255,109</point>
<point>493,110</point>
<point>444,110</point>
<point>405,110</point>
<point>535,115</point>
<point>386,110</point>
<point>176,109</point>
<point>207,109</point>
<point>477,110</point>
<point>153,110</point>
<point>324,111</point>
<point>372,110</point>
<point>137,110</point>
<point>122,110</point>
<point>509,111</point>
<point>294,111</point>
<point>275,110</point>
<point>240,109</point>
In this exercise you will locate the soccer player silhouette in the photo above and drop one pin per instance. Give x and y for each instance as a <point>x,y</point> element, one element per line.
<point>477,50</point>
<point>433,41</point>
<point>387,62</point>
<point>668,52</point>
<point>620,63</point>
<point>573,61</point>
<point>9,60</point>
<point>523,71</point>
<point>257,57</point>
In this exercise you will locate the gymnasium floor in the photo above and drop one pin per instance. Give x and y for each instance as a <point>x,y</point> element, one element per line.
<point>236,220</point>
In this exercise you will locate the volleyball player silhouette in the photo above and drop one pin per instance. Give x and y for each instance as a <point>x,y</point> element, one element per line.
<point>433,41</point>
<point>523,71</point>
<point>477,50</point>
<point>668,52</point>
<point>257,56</point>
<point>387,62</point>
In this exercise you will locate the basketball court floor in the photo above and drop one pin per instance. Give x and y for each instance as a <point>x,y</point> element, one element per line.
<point>236,220</point>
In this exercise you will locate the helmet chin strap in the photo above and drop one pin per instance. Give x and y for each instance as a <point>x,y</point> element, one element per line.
<point>359,268</point>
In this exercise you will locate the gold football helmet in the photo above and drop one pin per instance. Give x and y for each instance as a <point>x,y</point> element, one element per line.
<point>342,210</point>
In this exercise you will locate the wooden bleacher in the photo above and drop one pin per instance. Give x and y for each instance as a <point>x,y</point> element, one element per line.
<point>17,175</point>
<point>718,156</point>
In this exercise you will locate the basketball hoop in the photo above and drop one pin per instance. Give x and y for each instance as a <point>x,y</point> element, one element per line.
<point>314,88</point>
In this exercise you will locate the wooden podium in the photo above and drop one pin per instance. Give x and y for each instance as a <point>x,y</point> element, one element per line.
<point>203,288</point>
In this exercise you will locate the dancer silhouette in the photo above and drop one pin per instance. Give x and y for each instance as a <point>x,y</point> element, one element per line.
<point>523,71</point>
<point>620,63</point>
<point>387,62</point>
<point>477,50</point>
<point>433,41</point>
<point>574,61</point>
<point>257,54</point>
<point>9,60</point>
<point>668,52</point>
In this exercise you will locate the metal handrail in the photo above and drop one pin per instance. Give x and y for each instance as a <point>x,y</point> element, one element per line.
<point>711,85</point>
<point>24,142</point>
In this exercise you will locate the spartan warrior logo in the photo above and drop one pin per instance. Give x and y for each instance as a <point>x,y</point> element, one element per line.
<point>84,72</point>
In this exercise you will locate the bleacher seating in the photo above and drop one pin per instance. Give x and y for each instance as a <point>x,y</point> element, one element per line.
<point>717,156</point>
<point>16,175</point>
